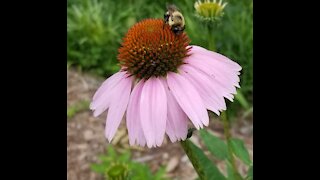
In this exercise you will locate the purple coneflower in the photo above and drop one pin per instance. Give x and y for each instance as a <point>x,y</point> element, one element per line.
<point>162,83</point>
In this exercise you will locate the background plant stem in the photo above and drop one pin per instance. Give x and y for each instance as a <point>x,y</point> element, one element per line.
<point>227,134</point>
<point>211,39</point>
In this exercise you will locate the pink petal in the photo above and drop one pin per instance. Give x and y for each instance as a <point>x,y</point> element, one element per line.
<point>133,117</point>
<point>170,130</point>
<point>220,65</point>
<point>228,80</point>
<point>103,103</point>
<point>141,140</point>
<point>229,96</point>
<point>216,56</point>
<point>224,68</point>
<point>177,122</point>
<point>210,94</point>
<point>213,89</point>
<point>226,84</point>
<point>153,111</point>
<point>189,99</point>
<point>118,106</point>
<point>102,97</point>
<point>109,83</point>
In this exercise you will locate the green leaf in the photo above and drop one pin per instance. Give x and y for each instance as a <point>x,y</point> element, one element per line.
<point>232,174</point>
<point>230,171</point>
<point>113,162</point>
<point>160,174</point>
<point>98,168</point>
<point>105,158</point>
<point>111,151</point>
<point>247,112</point>
<point>78,107</point>
<point>242,100</point>
<point>125,157</point>
<point>204,167</point>
<point>140,172</point>
<point>71,112</point>
<point>240,150</point>
<point>214,144</point>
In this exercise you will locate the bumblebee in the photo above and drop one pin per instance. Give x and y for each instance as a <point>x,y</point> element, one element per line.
<point>174,18</point>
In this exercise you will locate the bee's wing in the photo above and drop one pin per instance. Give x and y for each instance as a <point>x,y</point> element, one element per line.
<point>171,7</point>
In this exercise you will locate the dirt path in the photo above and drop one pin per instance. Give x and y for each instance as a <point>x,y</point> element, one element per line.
<point>85,136</point>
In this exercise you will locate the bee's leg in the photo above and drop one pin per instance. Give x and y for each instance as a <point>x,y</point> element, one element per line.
<point>165,19</point>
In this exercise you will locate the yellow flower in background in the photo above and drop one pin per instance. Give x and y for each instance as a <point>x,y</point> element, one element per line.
<point>209,11</point>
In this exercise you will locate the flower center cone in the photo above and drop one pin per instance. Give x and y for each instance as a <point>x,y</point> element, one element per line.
<point>150,48</point>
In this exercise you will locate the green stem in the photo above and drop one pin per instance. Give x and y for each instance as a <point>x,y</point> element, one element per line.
<point>186,145</point>
<point>212,44</point>
<point>242,100</point>
<point>204,167</point>
<point>227,134</point>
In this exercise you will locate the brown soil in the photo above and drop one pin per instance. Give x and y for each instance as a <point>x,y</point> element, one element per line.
<point>85,136</point>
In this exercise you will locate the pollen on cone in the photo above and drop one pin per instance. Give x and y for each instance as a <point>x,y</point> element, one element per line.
<point>150,48</point>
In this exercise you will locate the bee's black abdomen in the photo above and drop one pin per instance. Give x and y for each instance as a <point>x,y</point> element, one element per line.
<point>177,29</point>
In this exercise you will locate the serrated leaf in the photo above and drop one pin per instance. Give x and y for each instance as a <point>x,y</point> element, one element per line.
<point>214,144</point>
<point>240,150</point>
<point>204,167</point>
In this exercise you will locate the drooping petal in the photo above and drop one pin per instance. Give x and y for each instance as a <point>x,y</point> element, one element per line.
<point>170,130</point>
<point>133,117</point>
<point>210,59</point>
<point>217,56</point>
<point>226,87</point>
<point>177,122</point>
<point>221,70</point>
<point>108,84</point>
<point>141,140</point>
<point>153,111</point>
<point>189,99</point>
<point>103,103</point>
<point>222,76</point>
<point>219,65</point>
<point>103,96</point>
<point>118,106</point>
<point>211,70</point>
<point>212,98</point>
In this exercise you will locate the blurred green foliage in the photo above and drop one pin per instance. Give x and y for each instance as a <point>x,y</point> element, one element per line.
<point>219,149</point>
<point>113,164</point>
<point>78,107</point>
<point>95,29</point>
